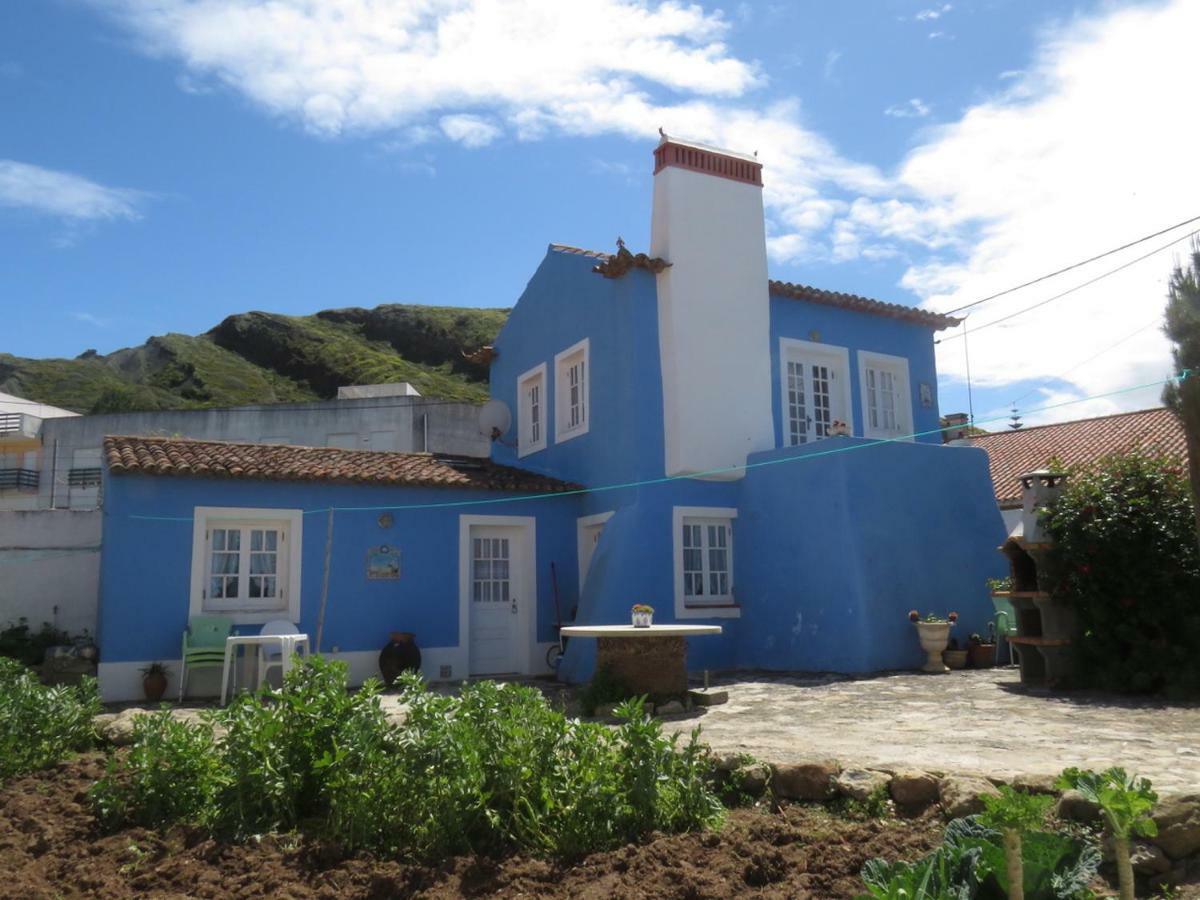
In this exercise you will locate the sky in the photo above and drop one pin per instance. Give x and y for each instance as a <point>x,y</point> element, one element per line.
<point>166,163</point>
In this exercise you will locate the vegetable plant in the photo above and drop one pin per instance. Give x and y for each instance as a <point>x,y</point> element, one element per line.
<point>1126,803</point>
<point>41,725</point>
<point>1011,813</point>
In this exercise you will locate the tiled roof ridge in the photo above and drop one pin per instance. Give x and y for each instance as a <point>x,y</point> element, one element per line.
<point>1027,429</point>
<point>816,295</point>
<point>187,457</point>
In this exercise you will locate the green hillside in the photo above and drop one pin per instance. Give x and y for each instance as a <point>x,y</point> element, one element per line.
<point>259,357</point>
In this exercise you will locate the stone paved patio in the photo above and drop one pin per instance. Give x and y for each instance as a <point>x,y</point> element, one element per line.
<point>971,722</point>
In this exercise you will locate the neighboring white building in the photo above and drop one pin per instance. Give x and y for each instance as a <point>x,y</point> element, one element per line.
<point>20,448</point>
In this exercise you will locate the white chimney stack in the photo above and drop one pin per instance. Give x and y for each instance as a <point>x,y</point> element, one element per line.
<point>713,308</point>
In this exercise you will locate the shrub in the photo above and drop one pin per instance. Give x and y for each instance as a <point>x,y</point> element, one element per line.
<point>1125,557</point>
<point>41,725</point>
<point>171,774</point>
<point>21,643</point>
<point>488,771</point>
<point>604,687</point>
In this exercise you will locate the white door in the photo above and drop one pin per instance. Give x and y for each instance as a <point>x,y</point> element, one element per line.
<point>497,598</point>
<point>815,384</point>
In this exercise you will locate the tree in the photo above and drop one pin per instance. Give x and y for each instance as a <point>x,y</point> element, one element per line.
<point>1183,329</point>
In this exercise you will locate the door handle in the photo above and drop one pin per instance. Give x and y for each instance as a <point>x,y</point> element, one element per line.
<point>514,606</point>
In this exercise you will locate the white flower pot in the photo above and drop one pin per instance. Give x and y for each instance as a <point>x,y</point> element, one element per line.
<point>642,619</point>
<point>934,638</point>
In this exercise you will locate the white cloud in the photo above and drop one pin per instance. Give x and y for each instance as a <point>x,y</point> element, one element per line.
<point>916,108</point>
<point>1078,156</point>
<point>928,15</point>
<point>470,131</point>
<point>64,195</point>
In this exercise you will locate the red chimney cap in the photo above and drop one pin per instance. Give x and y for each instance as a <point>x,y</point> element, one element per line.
<point>708,160</point>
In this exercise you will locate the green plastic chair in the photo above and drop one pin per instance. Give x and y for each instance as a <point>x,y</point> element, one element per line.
<point>203,646</point>
<point>1005,623</point>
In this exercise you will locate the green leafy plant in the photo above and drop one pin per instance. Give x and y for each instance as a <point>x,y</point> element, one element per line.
<point>1000,584</point>
<point>1125,558</point>
<point>1011,813</point>
<point>948,873</point>
<point>641,608</point>
<point>18,641</point>
<point>1053,865</point>
<point>1126,803</point>
<point>41,725</point>
<point>876,805</point>
<point>604,687</point>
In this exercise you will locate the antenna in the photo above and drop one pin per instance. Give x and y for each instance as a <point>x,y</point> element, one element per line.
<point>495,419</point>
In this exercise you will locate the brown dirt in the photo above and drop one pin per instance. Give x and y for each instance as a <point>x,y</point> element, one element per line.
<point>50,846</point>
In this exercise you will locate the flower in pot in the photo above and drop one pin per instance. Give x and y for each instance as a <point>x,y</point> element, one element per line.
<point>954,656</point>
<point>154,681</point>
<point>934,634</point>
<point>838,428</point>
<point>982,651</point>
<point>642,615</point>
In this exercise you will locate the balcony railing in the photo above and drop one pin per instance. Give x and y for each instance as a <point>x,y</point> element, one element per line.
<point>10,422</point>
<point>18,426</point>
<point>20,479</point>
<point>83,478</point>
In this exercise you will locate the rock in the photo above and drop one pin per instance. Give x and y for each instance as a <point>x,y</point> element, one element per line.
<point>1178,821</point>
<point>102,721</point>
<point>753,778</point>
<point>913,789</point>
<point>962,795</point>
<point>859,784</point>
<point>805,781</point>
<point>708,698</point>
<point>1035,784</point>
<point>1072,806</point>
<point>671,708</point>
<point>119,731</point>
<point>1148,859</point>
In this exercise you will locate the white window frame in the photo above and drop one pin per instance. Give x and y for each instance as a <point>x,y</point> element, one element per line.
<point>290,521</point>
<point>726,606</point>
<point>525,443</point>
<point>562,396</point>
<point>898,366</point>
<point>836,357</point>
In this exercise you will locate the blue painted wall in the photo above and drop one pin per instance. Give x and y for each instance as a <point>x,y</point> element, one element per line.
<point>836,327</point>
<point>146,565</point>
<point>839,539</point>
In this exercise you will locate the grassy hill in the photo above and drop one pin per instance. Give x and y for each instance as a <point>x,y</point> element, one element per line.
<point>259,357</point>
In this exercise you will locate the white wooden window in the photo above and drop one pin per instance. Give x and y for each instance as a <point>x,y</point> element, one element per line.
<point>571,382</point>
<point>531,411</point>
<point>815,390</point>
<point>886,396</point>
<point>246,563</point>
<point>704,562</point>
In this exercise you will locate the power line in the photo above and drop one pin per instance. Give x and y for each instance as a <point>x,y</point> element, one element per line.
<point>1072,290</point>
<point>1072,266</point>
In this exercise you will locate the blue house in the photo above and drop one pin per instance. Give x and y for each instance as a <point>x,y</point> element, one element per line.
<point>752,453</point>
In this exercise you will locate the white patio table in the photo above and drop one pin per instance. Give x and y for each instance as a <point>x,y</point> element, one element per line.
<point>649,660</point>
<point>289,644</point>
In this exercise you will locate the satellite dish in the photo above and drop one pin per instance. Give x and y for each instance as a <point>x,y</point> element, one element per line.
<point>494,419</point>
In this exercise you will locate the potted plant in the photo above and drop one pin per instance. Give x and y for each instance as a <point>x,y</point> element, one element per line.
<point>642,615</point>
<point>838,428</point>
<point>934,634</point>
<point>954,656</point>
<point>154,681</point>
<point>982,651</point>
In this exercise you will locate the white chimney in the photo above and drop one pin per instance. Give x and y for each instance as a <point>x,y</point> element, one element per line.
<point>713,309</point>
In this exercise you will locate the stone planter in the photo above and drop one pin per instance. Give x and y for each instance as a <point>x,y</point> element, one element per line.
<point>934,637</point>
<point>955,659</point>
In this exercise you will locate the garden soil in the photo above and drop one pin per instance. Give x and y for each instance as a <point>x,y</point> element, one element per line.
<point>50,846</point>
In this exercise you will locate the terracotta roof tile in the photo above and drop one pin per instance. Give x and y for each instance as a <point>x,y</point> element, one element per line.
<point>937,321</point>
<point>1079,443</point>
<point>274,462</point>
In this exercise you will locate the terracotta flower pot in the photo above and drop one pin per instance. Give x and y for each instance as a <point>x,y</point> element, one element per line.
<point>934,637</point>
<point>401,654</point>
<point>154,686</point>
<point>983,656</point>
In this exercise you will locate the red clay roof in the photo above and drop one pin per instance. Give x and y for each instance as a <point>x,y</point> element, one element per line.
<point>936,321</point>
<point>274,462</point>
<point>1079,443</point>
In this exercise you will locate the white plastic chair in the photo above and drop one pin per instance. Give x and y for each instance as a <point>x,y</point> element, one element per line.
<point>270,657</point>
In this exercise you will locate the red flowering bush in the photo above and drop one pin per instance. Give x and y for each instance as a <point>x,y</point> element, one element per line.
<point>1125,557</point>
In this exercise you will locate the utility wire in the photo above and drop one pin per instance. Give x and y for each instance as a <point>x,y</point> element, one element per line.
<point>1072,290</point>
<point>1072,266</point>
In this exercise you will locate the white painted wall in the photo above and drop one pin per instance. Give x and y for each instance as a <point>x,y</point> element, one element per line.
<point>713,319</point>
<point>50,567</point>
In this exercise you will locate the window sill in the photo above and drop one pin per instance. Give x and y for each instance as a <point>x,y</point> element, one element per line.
<point>714,611</point>
<point>562,436</point>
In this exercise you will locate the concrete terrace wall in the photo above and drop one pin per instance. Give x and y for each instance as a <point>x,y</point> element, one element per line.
<point>839,540</point>
<point>50,567</point>
<point>393,423</point>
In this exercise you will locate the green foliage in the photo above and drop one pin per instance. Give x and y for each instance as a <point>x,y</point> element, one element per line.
<point>876,805</point>
<point>171,774</point>
<point>1053,865</point>
<point>1126,801</point>
<point>41,725</point>
<point>493,769</point>
<point>263,358</point>
<point>19,642</point>
<point>1012,809</point>
<point>948,873</point>
<point>603,688</point>
<point>1125,557</point>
